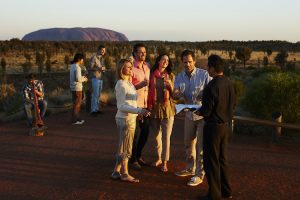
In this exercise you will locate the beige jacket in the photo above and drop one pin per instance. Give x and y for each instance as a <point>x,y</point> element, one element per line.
<point>126,100</point>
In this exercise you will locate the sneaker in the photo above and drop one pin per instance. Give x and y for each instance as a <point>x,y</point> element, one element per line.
<point>195,180</point>
<point>135,165</point>
<point>78,122</point>
<point>185,172</point>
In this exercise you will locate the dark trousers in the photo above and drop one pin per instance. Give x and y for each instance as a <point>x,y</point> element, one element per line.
<point>140,139</point>
<point>215,142</point>
<point>88,99</point>
<point>76,98</point>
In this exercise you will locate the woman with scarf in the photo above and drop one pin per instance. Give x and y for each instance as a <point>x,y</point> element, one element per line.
<point>162,108</point>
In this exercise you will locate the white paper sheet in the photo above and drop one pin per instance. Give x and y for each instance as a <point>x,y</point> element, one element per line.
<point>180,107</point>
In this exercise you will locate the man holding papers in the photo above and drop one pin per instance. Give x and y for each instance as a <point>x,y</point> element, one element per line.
<point>189,85</point>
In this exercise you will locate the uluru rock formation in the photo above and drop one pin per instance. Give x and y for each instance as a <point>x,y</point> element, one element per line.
<point>75,34</point>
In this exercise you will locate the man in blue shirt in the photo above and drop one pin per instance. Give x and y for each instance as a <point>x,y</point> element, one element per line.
<point>96,71</point>
<point>189,85</point>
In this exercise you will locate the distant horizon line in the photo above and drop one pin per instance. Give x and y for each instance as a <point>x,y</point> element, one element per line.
<point>16,38</point>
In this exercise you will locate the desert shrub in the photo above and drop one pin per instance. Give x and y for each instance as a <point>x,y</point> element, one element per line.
<point>10,101</point>
<point>108,97</point>
<point>239,88</point>
<point>227,68</point>
<point>59,96</point>
<point>251,68</point>
<point>290,66</point>
<point>27,66</point>
<point>110,78</point>
<point>237,73</point>
<point>265,70</point>
<point>274,92</point>
<point>14,105</point>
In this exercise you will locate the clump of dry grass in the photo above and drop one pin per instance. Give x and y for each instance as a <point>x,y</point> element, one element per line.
<point>6,90</point>
<point>108,97</point>
<point>59,96</point>
<point>10,101</point>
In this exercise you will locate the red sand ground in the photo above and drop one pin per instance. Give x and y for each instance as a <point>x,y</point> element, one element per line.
<point>75,162</point>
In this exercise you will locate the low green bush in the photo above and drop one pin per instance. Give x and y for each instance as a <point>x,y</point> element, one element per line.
<point>265,70</point>
<point>239,88</point>
<point>274,92</point>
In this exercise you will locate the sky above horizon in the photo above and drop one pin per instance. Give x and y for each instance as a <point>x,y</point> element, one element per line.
<point>170,20</point>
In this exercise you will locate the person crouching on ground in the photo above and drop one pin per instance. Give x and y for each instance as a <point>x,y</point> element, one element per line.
<point>28,97</point>
<point>76,80</point>
<point>126,97</point>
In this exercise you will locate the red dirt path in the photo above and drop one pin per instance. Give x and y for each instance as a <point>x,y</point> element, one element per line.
<point>75,162</point>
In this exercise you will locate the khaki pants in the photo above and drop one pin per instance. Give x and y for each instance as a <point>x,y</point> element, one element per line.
<point>193,144</point>
<point>162,130</point>
<point>126,128</point>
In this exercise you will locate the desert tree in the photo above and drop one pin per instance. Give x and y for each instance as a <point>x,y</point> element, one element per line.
<point>3,69</point>
<point>26,67</point>
<point>203,50</point>
<point>161,49</point>
<point>49,53</point>
<point>27,57</point>
<point>243,54</point>
<point>67,61</point>
<point>281,59</point>
<point>48,65</point>
<point>269,52</point>
<point>4,48</point>
<point>230,54</point>
<point>265,61</point>
<point>40,61</point>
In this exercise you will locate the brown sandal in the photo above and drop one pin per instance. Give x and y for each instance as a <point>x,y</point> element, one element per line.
<point>128,178</point>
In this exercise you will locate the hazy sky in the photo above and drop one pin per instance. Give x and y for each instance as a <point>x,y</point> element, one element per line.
<point>172,20</point>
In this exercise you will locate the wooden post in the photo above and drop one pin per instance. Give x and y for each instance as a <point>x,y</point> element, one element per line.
<point>277,117</point>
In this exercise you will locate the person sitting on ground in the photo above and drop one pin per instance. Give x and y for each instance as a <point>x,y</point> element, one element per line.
<point>28,97</point>
<point>126,96</point>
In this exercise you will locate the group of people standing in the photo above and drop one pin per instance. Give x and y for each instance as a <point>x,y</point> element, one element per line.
<point>146,103</point>
<point>94,86</point>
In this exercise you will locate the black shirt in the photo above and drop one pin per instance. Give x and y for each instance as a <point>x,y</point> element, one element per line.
<point>218,101</point>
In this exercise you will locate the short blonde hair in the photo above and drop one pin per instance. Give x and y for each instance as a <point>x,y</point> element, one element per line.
<point>120,67</point>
